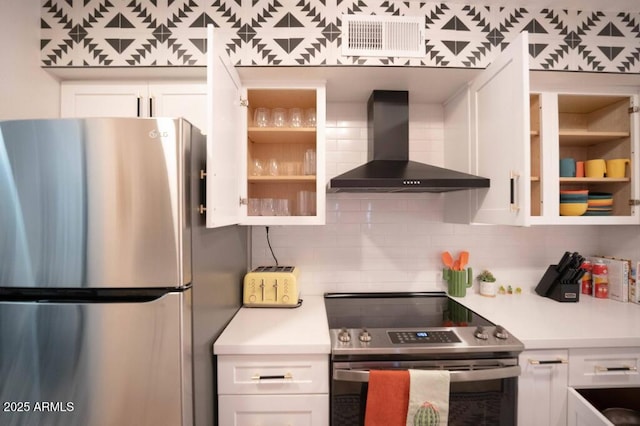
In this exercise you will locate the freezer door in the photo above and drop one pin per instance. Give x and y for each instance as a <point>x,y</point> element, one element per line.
<point>96,364</point>
<point>99,202</point>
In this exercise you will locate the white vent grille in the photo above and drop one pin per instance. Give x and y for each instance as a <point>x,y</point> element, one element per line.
<point>371,35</point>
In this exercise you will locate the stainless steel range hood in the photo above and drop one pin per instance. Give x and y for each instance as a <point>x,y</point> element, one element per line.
<point>388,168</point>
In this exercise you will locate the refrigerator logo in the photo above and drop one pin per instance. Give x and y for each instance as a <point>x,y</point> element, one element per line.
<point>155,134</point>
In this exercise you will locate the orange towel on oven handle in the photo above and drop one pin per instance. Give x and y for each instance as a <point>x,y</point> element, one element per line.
<point>387,398</point>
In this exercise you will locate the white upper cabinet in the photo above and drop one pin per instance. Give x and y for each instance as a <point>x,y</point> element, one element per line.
<point>500,128</point>
<point>263,172</point>
<point>135,99</point>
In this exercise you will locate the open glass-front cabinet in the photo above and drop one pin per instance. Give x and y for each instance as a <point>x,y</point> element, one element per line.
<point>265,148</point>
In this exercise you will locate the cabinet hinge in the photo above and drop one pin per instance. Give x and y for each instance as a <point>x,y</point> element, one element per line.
<point>244,102</point>
<point>634,202</point>
<point>243,201</point>
<point>202,209</point>
<point>203,174</point>
<point>633,109</point>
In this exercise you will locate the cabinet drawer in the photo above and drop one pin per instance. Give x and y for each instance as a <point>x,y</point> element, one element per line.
<point>268,410</point>
<point>273,374</point>
<point>617,367</point>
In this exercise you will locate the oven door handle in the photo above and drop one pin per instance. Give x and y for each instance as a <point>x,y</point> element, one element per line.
<point>362,376</point>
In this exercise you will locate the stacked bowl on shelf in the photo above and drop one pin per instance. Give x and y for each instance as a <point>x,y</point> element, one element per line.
<point>573,202</point>
<point>584,203</point>
<point>599,204</point>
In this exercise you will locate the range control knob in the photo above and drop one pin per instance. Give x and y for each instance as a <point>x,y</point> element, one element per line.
<point>344,336</point>
<point>480,333</point>
<point>365,336</point>
<point>501,333</point>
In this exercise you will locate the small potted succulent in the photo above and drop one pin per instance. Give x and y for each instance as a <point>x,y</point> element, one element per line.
<point>488,286</point>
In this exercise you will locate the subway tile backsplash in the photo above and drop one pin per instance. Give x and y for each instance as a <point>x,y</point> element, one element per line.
<point>393,242</point>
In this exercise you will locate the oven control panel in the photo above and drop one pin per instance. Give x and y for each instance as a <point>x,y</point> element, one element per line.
<point>423,337</point>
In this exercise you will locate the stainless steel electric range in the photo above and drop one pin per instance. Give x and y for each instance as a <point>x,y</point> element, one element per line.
<point>425,330</point>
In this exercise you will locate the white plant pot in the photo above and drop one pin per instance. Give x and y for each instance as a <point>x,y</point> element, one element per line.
<point>489,289</point>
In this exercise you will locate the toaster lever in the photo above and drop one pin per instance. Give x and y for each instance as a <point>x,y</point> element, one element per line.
<point>262,288</point>
<point>275,286</point>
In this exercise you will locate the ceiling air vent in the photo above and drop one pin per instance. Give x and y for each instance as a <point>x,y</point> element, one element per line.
<point>371,35</point>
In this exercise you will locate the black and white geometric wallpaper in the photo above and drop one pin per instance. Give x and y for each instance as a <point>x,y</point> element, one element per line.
<point>129,33</point>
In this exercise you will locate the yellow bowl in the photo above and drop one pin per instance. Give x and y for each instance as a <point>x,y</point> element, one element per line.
<point>573,209</point>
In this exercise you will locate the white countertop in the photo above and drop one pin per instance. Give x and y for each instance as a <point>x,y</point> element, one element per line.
<point>543,323</point>
<point>264,331</point>
<point>539,322</point>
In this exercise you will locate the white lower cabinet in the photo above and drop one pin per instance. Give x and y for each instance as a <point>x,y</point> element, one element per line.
<point>542,388</point>
<point>273,390</point>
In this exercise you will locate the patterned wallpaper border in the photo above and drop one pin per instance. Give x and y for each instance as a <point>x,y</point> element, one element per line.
<point>134,33</point>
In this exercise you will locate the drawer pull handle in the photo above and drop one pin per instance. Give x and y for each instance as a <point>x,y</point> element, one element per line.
<point>547,361</point>
<point>285,376</point>
<point>601,369</point>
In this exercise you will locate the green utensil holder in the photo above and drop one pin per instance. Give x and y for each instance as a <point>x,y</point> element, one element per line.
<point>458,281</point>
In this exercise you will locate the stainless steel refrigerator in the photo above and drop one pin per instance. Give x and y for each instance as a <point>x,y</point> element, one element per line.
<point>112,291</point>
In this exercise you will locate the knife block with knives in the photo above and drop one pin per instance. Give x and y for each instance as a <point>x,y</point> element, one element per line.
<point>561,282</point>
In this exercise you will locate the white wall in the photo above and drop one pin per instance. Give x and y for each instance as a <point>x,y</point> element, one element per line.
<point>393,242</point>
<point>26,91</point>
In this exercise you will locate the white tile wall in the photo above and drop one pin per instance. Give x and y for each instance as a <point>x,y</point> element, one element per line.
<point>393,242</point>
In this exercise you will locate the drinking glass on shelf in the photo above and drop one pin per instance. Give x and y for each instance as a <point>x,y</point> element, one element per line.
<point>279,117</point>
<point>267,207</point>
<point>274,167</point>
<point>261,117</point>
<point>282,207</point>
<point>291,168</point>
<point>306,203</point>
<point>257,168</point>
<point>295,117</point>
<point>310,117</point>
<point>309,167</point>
<point>254,207</point>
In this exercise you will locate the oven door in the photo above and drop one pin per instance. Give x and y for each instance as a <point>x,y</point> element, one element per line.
<point>482,392</point>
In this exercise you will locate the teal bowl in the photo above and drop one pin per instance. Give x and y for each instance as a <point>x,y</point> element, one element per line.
<point>600,195</point>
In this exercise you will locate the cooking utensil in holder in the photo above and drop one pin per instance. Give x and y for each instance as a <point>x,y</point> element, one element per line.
<point>561,282</point>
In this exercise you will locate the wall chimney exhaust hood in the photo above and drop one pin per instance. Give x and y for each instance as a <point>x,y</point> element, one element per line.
<point>388,168</point>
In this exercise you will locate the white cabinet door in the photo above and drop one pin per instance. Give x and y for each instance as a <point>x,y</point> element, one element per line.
<point>582,413</point>
<point>542,388</point>
<point>486,128</point>
<point>500,136</point>
<point>225,128</point>
<point>102,100</point>
<point>188,100</point>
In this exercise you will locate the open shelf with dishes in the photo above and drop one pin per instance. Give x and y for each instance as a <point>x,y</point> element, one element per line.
<point>594,130</point>
<point>282,154</point>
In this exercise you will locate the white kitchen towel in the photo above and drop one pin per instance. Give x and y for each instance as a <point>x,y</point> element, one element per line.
<point>428,397</point>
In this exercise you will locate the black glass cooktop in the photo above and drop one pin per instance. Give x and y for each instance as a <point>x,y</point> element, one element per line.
<point>398,311</point>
